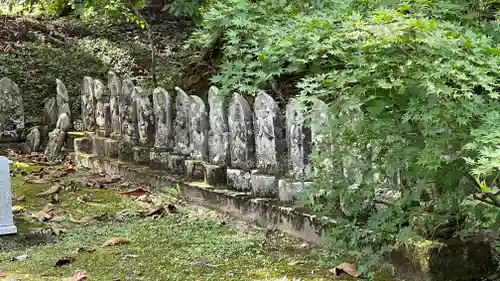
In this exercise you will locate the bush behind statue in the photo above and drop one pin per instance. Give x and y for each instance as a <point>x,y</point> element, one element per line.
<point>409,86</point>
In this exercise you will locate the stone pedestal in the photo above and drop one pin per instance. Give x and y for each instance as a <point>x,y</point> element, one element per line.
<point>158,158</point>
<point>288,189</point>
<point>176,164</point>
<point>111,148</point>
<point>214,174</point>
<point>264,185</point>
<point>6,218</point>
<point>82,145</point>
<point>141,155</point>
<point>125,151</point>
<point>238,179</point>
<point>98,146</point>
<point>194,169</point>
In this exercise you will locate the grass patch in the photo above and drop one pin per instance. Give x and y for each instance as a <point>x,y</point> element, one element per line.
<point>195,244</point>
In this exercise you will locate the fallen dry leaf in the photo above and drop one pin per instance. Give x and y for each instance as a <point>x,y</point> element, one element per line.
<point>70,168</point>
<point>53,190</point>
<point>3,274</point>
<point>79,275</point>
<point>17,209</point>
<point>136,192</point>
<point>80,221</point>
<point>43,216</point>
<point>116,241</point>
<point>48,208</point>
<point>345,267</point>
<point>37,181</point>
<point>154,211</point>
<point>58,231</point>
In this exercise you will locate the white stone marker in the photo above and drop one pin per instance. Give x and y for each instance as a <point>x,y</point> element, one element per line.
<point>6,219</point>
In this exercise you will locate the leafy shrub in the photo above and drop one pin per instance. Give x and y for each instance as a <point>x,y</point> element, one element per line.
<point>408,85</point>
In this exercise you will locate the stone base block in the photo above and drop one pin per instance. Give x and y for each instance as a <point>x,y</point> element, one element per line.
<point>70,139</point>
<point>8,229</point>
<point>238,179</point>
<point>288,190</point>
<point>264,185</point>
<point>175,164</point>
<point>194,169</point>
<point>98,146</point>
<point>125,151</point>
<point>158,158</point>
<point>141,155</point>
<point>82,145</point>
<point>214,175</point>
<point>111,148</point>
<point>102,133</point>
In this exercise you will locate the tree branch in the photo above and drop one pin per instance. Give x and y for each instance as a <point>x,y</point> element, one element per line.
<point>151,42</point>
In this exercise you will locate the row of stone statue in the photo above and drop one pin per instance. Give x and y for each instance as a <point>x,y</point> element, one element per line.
<point>11,112</point>
<point>235,136</point>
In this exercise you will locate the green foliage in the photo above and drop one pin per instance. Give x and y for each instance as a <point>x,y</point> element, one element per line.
<point>89,49</point>
<point>409,85</point>
<point>187,8</point>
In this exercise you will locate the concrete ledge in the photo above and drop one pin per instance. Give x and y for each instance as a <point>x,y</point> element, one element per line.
<point>262,211</point>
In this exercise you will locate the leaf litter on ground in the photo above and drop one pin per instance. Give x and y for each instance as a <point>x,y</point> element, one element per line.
<point>116,241</point>
<point>79,275</point>
<point>345,268</point>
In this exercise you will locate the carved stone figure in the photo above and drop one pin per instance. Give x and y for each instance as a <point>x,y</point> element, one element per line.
<point>319,119</point>
<point>241,141</point>
<point>128,112</point>
<point>101,116</point>
<point>50,111</point>
<point>163,114</point>
<point>33,139</point>
<point>269,134</point>
<point>88,104</point>
<point>62,98</point>
<point>11,112</point>
<point>181,123</point>
<point>145,117</point>
<point>115,88</point>
<point>219,130</point>
<point>298,140</point>
<point>198,133</point>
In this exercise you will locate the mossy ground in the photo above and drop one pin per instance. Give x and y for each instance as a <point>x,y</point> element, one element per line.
<point>195,244</point>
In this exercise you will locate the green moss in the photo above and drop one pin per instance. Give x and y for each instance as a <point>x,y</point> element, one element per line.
<point>79,134</point>
<point>177,246</point>
<point>192,245</point>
